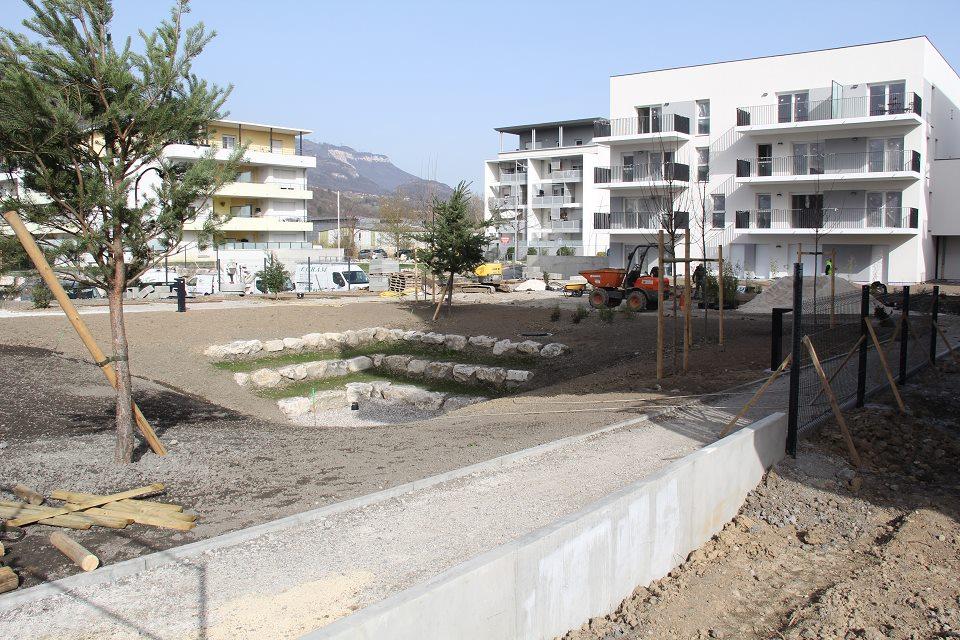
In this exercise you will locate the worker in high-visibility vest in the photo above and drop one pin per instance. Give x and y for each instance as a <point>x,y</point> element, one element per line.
<point>828,266</point>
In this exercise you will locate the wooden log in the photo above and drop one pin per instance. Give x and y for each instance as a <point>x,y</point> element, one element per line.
<point>79,498</point>
<point>130,511</point>
<point>67,522</point>
<point>155,520</point>
<point>26,493</point>
<point>846,359</point>
<point>8,580</point>
<point>75,551</point>
<point>756,396</point>
<point>132,493</point>
<point>838,414</point>
<point>886,367</point>
<point>2,550</point>
<point>110,519</point>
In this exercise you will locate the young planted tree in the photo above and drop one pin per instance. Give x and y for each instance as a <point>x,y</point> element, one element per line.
<point>396,221</point>
<point>454,241</point>
<point>274,277</point>
<point>83,119</point>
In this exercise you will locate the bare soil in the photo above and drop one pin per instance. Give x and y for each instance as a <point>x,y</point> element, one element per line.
<point>822,552</point>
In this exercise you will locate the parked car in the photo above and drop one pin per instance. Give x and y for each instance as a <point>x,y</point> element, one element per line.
<point>364,254</point>
<point>380,253</point>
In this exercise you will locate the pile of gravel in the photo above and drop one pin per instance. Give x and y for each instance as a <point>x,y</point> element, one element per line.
<point>780,293</point>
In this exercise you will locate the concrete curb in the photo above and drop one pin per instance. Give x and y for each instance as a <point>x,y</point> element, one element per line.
<point>527,588</point>
<point>112,573</point>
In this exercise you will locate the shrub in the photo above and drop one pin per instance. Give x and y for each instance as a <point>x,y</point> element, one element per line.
<point>566,251</point>
<point>730,283</point>
<point>580,314</point>
<point>42,296</point>
<point>555,313</point>
<point>531,251</point>
<point>606,315</point>
<point>509,254</point>
<point>274,277</point>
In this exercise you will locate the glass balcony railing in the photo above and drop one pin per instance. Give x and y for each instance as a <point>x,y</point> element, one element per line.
<point>651,172</point>
<point>665,123</point>
<point>562,225</point>
<point>642,220</point>
<point>263,246</point>
<point>552,201</point>
<point>828,219</point>
<point>572,175</point>
<point>520,177</point>
<point>828,109</point>
<point>829,163</point>
<point>506,202</point>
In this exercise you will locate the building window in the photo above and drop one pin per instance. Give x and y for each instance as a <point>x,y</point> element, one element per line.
<point>276,146</point>
<point>242,211</point>
<point>578,142</point>
<point>719,210</point>
<point>228,142</point>
<point>703,164</point>
<point>793,107</point>
<point>887,98</point>
<point>703,117</point>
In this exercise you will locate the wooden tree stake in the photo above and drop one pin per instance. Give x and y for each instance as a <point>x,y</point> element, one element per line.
<point>8,580</point>
<point>846,359</point>
<point>756,396</point>
<point>833,288</point>
<point>720,290</point>
<point>946,341</point>
<point>833,403</point>
<point>660,272</point>
<point>77,553</point>
<point>687,329</point>
<point>50,278</point>
<point>27,494</point>
<point>132,493</point>
<point>886,367</point>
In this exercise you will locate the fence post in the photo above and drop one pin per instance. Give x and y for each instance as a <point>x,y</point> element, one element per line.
<point>793,417</point>
<point>865,340</point>
<point>904,334</point>
<point>934,312</point>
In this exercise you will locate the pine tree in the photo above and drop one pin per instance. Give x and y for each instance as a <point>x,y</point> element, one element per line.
<point>274,277</point>
<point>83,119</point>
<point>455,241</point>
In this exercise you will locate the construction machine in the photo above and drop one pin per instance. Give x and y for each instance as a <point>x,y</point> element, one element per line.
<point>631,285</point>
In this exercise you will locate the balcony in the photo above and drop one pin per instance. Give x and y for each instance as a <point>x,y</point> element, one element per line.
<point>639,220</point>
<point>667,127</point>
<point>506,202</point>
<point>859,166</point>
<point>830,220</point>
<point>652,175</point>
<point>823,115</point>
<point>255,154</point>
<point>562,226</point>
<point>567,175</point>
<point>553,201</point>
<point>263,246</point>
<point>277,189</point>
<point>519,177</point>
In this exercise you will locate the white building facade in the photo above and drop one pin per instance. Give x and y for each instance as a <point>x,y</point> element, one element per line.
<point>845,150</point>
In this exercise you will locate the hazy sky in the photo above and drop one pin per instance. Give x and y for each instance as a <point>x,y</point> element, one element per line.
<point>426,82</point>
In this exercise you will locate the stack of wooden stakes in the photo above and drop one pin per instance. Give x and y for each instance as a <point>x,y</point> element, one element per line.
<point>82,511</point>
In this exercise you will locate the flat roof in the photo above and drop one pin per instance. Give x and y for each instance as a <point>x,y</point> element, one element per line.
<point>776,55</point>
<point>256,126</point>
<point>520,128</point>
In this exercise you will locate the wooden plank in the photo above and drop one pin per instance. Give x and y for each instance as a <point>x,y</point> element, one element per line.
<point>8,580</point>
<point>946,341</point>
<point>132,493</point>
<point>67,522</point>
<point>79,498</point>
<point>155,520</point>
<point>132,512</point>
<point>26,493</point>
<point>110,519</point>
<point>77,553</point>
<point>720,290</point>
<point>886,367</point>
<point>854,455</point>
<point>756,396</point>
<point>660,274</point>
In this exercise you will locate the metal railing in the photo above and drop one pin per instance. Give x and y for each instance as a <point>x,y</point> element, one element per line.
<point>518,177</point>
<point>259,148</point>
<point>562,225</point>
<point>552,201</point>
<point>506,202</point>
<point>828,109</point>
<point>649,172</point>
<point>666,123</point>
<point>263,246</point>
<point>829,163</point>
<point>566,174</point>
<point>829,219</point>
<point>647,220</point>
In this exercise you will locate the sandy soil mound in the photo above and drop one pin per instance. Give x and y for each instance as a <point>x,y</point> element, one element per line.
<point>780,293</point>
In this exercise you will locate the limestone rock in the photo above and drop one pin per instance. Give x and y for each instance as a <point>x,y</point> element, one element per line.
<point>273,345</point>
<point>397,363</point>
<point>553,350</point>
<point>432,338</point>
<point>242,379</point>
<point>293,372</point>
<point>360,363</point>
<point>517,377</point>
<point>315,341</point>
<point>397,334</point>
<point>455,342</point>
<point>377,359</point>
<point>333,340</point>
<point>412,336</point>
<point>336,368</point>
<point>439,370</point>
<point>367,335</point>
<point>495,376</point>
<point>266,378</point>
<point>316,370</point>
<point>294,344</point>
<point>216,351</point>
<point>504,347</point>
<point>357,391</point>
<point>381,334</point>
<point>295,407</point>
<point>529,347</point>
<point>350,338</point>
<point>242,348</point>
<point>416,366</point>
<point>482,341</point>
<point>409,394</point>
<point>464,372</point>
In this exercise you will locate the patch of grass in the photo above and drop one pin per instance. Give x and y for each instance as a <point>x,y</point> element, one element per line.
<point>417,349</point>
<point>606,315</point>
<point>580,314</point>
<point>555,313</point>
<point>306,387</point>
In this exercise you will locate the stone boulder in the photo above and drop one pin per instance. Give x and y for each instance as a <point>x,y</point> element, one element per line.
<point>295,407</point>
<point>242,379</point>
<point>315,341</point>
<point>517,377</point>
<point>360,363</point>
<point>293,372</point>
<point>272,346</point>
<point>485,342</point>
<point>316,370</point>
<point>294,344</point>
<point>432,338</point>
<point>382,334</point>
<point>529,347</point>
<point>409,394</point>
<point>266,378</point>
<point>336,368</point>
<point>412,336</point>
<point>504,348</point>
<point>416,366</point>
<point>495,376</point>
<point>357,391</point>
<point>377,360</point>
<point>455,342</point>
<point>217,351</point>
<point>350,338</point>
<point>439,370</point>
<point>553,350</point>
<point>397,363</point>
<point>396,335</point>
<point>464,372</point>
<point>333,340</point>
<point>367,335</point>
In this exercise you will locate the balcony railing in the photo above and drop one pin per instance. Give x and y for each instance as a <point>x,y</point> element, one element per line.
<point>567,174</point>
<point>651,172</point>
<point>562,225</point>
<point>825,164</point>
<point>645,220</point>
<point>506,202</point>
<point>537,243</point>
<point>520,177</point>
<point>259,148</point>
<point>828,109</point>
<point>830,219</point>
<point>552,201</point>
<point>263,246</point>
<point>666,123</point>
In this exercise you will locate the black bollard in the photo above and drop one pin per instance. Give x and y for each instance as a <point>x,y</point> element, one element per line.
<point>181,295</point>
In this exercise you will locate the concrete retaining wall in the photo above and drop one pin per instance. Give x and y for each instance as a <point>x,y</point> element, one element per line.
<point>584,565</point>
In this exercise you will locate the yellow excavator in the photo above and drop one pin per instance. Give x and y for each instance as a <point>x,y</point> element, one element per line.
<point>489,273</point>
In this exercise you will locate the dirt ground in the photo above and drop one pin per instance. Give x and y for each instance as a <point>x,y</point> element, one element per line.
<point>237,464</point>
<point>821,552</point>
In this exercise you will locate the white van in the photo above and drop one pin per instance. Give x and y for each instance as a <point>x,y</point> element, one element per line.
<point>202,285</point>
<point>330,276</point>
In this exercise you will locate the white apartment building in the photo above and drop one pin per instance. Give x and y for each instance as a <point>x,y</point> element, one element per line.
<point>851,149</point>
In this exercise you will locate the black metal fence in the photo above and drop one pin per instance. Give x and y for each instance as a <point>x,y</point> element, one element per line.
<point>836,327</point>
